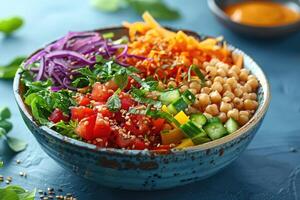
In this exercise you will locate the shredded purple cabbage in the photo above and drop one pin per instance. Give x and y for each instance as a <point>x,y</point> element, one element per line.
<point>58,60</point>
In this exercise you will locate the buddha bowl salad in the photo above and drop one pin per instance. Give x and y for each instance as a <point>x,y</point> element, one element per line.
<point>153,89</point>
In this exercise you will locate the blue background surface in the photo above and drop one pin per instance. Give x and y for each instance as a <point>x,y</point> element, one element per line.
<point>268,169</point>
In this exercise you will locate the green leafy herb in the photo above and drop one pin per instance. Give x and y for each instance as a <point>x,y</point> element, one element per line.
<point>1,163</point>
<point>121,78</point>
<point>13,192</point>
<point>147,85</point>
<point>140,96</point>
<point>114,103</point>
<point>15,144</point>
<point>11,24</point>
<point>197,71</point>
<point>157,8</point>
<point>67,129</point>
<point>8,71</point>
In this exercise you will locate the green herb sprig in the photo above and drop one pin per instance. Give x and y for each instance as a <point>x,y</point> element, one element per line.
<point>8,71</point>
<point>14,192</point>
<point>15,144</point>
<point>10,24</point>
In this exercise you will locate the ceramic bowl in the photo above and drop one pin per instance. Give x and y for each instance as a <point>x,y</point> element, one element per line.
<point>144,170</point>
<point>216,6</point>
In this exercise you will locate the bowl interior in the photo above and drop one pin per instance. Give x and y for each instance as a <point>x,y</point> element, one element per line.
<point>249,63</point>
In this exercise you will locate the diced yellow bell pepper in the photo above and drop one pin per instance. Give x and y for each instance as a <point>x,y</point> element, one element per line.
<point>181,117</point>
<point>172,137</point>
<point>164,108</point>
<point>187,142</point>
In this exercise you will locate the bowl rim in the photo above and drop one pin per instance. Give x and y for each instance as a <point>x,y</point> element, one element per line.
<point>260,112</point>
<point>219,12</point>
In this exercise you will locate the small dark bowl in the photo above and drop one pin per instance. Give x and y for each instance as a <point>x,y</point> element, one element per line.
<point>145,170</point>
<point>217,6</point>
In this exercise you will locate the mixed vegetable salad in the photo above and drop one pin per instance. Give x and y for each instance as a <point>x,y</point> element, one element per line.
<point>155,90</point>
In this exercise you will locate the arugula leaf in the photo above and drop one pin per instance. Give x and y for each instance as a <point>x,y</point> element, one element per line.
<point>2,132</point>
<point>67,129</point>
<point>8,71</point>
<point>11,24</point>
<point>1,163</point>
<point>121,78</point>
<point>157,8</point>
<point>114,103</point>
<point>147,85</point>
<point>4,113</point>
<point>16,144</point>
<point>140,96</point>
<point>14,192</point>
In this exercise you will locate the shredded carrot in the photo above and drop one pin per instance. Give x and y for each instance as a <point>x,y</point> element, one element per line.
<point>176,50</point>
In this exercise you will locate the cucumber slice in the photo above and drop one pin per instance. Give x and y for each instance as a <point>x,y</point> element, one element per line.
<point>179,105</point>
<point>198,119</point>
<point>172,109</point>
<point>214,119</point>
<point>188,97</point>
<point>188,130</point>
<point>231,125</point>
<point>169,96</point>
<point>198,130</point>
<point>215,130</point>
<point>200,139</point>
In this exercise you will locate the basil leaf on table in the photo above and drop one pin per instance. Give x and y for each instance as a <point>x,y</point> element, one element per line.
<point>6,125</point>
<point>1,163</point>
<point>4,113</point>
<point>16,144</point>
<point>14,192</point>
<point>8,71</point>
<point>10,24</point>
<point>107,5</point>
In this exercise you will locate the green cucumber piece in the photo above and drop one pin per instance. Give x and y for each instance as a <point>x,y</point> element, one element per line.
<point>188,97</point>
<point>200,139</point>
<point>198,119</point>
<point>188,130</point>
<point>197,129</point>
<point>215,130</point>
<point>178,105</point>
<point>169,96</point>
<point>231,125</point>
<point>214,119</point>
<point>172,109</point>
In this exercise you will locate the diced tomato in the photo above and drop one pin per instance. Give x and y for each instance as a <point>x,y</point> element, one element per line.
<point>122,142</point>
<point>83,100</point>
<point>78,113</point>
<point>57,116</point>
<point>138,124</point>
<point>157,125</point>
<point>102,128</point>
<point>100,92</point>
<point>126,102</point>
<point>139,144</point>
<point>119,118</point>
<point>85,127</point>
<point>111,85</point>
<point>101,143</point>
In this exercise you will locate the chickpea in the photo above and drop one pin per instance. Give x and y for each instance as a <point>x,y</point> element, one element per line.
<point>244,112</point>
<point>250,104</point>
<point>172,84</point>
<point>238,103</point>
<point>214,61</point>
<point>215,97</point>
<point>233,74</point>
<point>252,96</point>
<point>183,88</point>
<point>212,109</point>
<point>245,96</point>
<point>207,115</point>
<point>195,85</point>
<point>194,91</point>
<point>208,83</point>
<point>219,79</point>
<point>251,77</point>
<point>246,88</point>
<point>205,64</point>
<point>253,83</point>
<point>244,75</point>
<point>235,69</point>
<point>232,82</point>
<point>225,107</point>
<point>234,113</point>
<point>226,99</point>
<point>223,117</point>
<point>217,86</point>
<point>221,72</point>
<point>238,92</point>
<point>204,99</point>
<point>212,71</point>
<point>161,85</point>
<point>226,87</point>
<point>243,119</point>
<point>228,94</point>
<point>205,90</point>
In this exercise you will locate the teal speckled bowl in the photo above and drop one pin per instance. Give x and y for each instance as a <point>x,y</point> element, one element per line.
<point>144,170</point>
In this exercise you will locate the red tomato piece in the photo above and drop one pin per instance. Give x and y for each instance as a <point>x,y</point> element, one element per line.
<point>139,144</point>
<point>83,101</point>
<point>78,113</point>
<point>102,128</point>
<point>85,127</point>
<point>157,125</point>
<point>100,92</point>
<point>122,142</point>
<point>57,116</point>
<point>126,102</point>
<point>138,124</point>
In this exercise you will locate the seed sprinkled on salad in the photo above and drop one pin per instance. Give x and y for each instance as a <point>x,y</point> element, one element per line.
<point>152,89</point>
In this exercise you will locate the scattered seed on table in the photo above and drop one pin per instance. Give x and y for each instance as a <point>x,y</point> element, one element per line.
<point>9,178</point>
<point>1,178</point>
<point>21,173</point>
<point>18,161</point>
<point>7,182</point>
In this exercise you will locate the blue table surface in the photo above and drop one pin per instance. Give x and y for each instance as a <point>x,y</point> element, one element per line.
<point>268,169</point>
